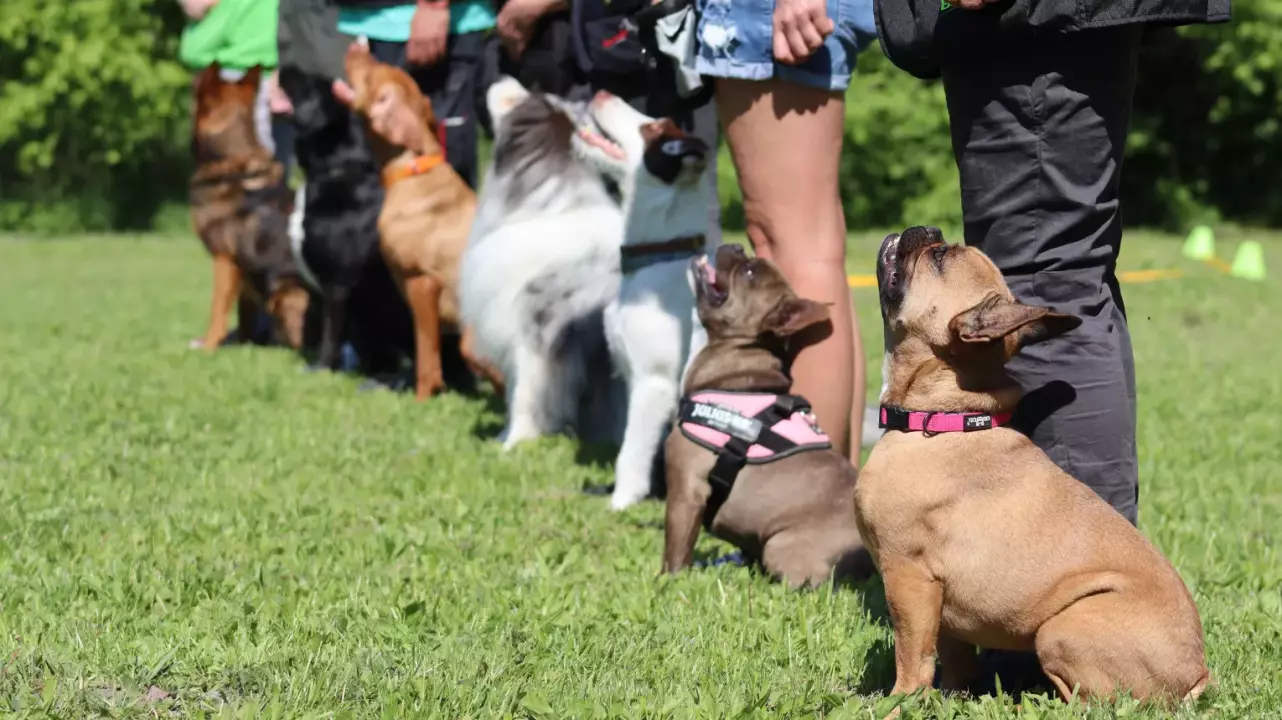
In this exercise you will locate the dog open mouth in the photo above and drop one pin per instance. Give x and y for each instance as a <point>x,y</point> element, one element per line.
<point>596,137</point>
<point>707,283</point>
<point>888,271</point>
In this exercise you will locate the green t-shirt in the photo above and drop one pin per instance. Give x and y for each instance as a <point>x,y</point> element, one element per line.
<point>392,23</point>
<point>235,33</point>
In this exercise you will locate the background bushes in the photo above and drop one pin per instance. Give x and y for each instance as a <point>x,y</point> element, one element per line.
<point>94,111</point>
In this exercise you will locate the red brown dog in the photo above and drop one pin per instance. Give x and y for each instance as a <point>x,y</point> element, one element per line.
<point>427,211</point>
<point>981,540</point>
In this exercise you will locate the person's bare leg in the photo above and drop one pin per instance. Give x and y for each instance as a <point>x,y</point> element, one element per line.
<point>786,143</point>
<point>859,379</point>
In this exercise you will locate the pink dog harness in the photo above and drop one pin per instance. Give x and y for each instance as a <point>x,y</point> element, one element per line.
<point>895,418</point>
<point>747,428</point>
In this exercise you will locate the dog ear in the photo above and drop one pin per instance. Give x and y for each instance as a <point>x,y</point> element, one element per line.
<point>503,96</point>
<point>251,77</point>
<point>793,315</point>
<point>207,82</point>
<point>996,318</point>
<point>357,63</point>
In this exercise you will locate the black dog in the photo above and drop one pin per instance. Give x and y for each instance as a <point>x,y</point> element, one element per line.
<point>340,231</point>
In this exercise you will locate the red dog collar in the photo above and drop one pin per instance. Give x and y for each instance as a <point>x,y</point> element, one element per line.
<point>894,418</point>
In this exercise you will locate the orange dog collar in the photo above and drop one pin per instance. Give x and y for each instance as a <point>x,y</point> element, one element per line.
<point>423,164</point>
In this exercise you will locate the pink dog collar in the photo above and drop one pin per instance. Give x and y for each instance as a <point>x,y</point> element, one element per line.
<point>894,418</point>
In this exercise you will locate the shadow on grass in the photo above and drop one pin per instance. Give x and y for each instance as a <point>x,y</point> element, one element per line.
<point>602,456</point>
<point>879,662</point>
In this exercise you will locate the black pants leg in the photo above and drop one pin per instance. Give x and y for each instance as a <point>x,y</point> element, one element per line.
<point>450,85</point>
<point>1038,129</point>
<point>284,135</point>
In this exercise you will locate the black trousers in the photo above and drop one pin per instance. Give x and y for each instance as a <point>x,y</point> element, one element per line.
<point>1038,128</point>
<point>451,86</point>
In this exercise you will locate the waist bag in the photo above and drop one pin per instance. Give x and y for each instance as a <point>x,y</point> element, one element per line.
<point>642,49</point>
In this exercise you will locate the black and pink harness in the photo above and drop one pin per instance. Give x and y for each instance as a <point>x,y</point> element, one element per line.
<point>747,428</point>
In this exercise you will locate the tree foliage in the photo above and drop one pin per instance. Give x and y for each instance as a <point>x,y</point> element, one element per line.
<point>93,110</point>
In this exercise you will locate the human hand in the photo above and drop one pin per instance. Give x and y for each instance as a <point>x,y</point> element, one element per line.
<point>971,4</point>
<point>800,28</point>
<point>429,32</point>
<point>197,9</point>
<point>388,114</point>
<point>277,100</point>
<point>517,19</point>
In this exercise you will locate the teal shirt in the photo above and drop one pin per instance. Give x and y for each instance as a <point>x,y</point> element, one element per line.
<point>392,24</point>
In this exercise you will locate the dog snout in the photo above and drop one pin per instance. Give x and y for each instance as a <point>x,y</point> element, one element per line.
<point>602,97</point>
<point>916,238</point>
<point>883,252</point>
<point>729,253</point>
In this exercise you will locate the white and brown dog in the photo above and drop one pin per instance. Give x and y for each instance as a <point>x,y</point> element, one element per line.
<point>650,326</point>
<point>541,265</point>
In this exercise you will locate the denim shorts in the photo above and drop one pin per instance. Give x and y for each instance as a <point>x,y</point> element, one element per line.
<point>736,40</point>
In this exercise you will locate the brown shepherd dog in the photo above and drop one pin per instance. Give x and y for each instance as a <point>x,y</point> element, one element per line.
<point>240,206</point>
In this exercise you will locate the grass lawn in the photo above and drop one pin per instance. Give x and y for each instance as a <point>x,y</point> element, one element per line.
<point>226,535</point>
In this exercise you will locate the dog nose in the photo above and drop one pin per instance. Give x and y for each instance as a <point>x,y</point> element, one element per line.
<point>602,97</point>
<point>731,250</point>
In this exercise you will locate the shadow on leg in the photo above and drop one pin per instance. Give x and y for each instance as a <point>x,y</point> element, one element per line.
<point>651,402</point>
<point>525,412</point>
<point>682,519</point>
<point>423,293</point>
<point>478,365</point>
<point>288,306</point>
<point>226,290</point>
<point>915,600</point>
<point>335,299</point>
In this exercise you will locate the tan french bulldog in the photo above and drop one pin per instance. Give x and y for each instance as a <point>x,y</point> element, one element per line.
<point>980,539</point>
<point>746,458</point>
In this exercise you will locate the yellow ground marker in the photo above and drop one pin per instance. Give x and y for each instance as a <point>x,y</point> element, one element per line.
<point>1129,276</point>
<point>1218,264</point>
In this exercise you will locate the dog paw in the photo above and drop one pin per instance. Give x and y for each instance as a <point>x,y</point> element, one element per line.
<point>624,500</point>
<point>518,430</point>
<point>197,344</point>
<point>511,440</point>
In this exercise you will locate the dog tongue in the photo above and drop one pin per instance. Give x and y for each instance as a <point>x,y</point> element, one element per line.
<point>709,272</point>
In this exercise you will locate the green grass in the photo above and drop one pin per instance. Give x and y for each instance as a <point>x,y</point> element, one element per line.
<point>258,542</point>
